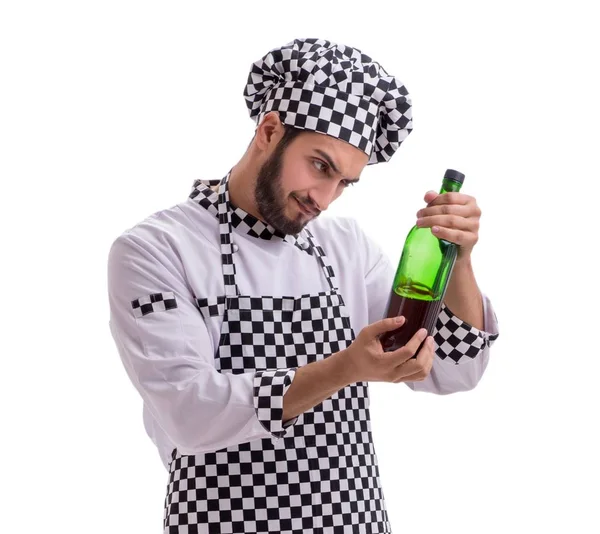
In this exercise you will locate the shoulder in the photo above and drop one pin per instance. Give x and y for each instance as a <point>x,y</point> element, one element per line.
<point>152,229</point>
<point>165,234</point>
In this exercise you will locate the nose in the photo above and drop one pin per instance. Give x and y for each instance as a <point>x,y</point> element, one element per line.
<point>324,196</point>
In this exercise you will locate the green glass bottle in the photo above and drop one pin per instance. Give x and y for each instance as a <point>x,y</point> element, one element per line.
<point>422,277</point>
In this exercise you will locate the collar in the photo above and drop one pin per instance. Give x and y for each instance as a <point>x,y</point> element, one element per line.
<point>242,221</point>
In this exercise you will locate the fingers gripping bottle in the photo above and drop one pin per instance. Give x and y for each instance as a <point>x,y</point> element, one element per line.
<point>422,278</point>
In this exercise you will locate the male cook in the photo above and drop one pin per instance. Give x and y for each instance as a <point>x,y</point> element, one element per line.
<point>249,325</point>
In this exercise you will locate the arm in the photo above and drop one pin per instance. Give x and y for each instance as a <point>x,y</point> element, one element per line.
<point>169,356</point>
<point>459,363</point>
<point>362,361</point>
<point>314,383</point>
<point>462,350</point>
<point>463,296</point>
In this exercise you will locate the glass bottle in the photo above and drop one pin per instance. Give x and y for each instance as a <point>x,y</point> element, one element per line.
<point>422,277</point>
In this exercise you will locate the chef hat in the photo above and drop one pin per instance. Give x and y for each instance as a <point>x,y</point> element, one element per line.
<point>335,90</point>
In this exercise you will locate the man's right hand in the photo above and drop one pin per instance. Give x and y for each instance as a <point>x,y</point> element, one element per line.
<point>366,360</point>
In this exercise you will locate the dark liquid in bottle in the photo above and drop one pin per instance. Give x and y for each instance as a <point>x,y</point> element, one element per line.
<point>417,313</point>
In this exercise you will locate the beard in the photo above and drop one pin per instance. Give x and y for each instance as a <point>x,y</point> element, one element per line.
<point>270,198</point>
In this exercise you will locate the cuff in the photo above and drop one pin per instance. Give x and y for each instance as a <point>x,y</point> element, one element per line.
<point>458,341</point>
<point>269,388</point>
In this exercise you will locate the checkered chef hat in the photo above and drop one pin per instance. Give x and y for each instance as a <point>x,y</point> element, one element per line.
<point>335,90</point>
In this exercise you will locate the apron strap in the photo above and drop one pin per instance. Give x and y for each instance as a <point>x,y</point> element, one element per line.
<point>327,268</point>
<point>226,231</point>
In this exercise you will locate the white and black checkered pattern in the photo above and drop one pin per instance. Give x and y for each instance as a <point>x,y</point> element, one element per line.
<point>203,195</point>
<point>318,473</point>
<point>333,89</point>
<point>269,388</point>
<point>458,340</point>
<point>211,307</point>
<point>156,302</point>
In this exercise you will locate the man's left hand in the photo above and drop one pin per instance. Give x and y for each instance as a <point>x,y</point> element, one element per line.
<point>453,217</point>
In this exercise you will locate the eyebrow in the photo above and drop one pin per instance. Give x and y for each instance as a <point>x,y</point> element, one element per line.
<point>330,162</point>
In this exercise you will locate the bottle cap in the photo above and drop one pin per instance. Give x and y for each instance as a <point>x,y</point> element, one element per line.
<point>455,176</point>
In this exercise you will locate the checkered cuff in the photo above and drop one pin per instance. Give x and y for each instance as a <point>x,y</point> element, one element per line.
<point>459,342</point>
<point>269,388</point>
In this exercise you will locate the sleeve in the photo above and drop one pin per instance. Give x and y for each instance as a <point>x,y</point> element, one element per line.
<point>462,351</point>
<point>168,355</point>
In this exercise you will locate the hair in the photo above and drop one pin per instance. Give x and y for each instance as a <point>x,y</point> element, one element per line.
<point>289,134</point>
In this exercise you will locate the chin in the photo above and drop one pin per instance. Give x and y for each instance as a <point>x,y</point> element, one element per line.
<point>293,226</point>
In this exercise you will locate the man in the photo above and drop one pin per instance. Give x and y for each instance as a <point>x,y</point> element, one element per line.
<point>249,325</point>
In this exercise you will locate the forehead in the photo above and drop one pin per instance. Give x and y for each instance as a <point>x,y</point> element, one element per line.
<point>349,159</point>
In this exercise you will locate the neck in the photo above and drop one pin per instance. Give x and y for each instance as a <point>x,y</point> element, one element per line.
<point>242,182</point>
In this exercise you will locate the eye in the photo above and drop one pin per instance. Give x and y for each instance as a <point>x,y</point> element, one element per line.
<point>321,166</point>
<point>346,183</point>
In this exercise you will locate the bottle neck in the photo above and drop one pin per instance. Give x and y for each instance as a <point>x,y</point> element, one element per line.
<point>450,186</point>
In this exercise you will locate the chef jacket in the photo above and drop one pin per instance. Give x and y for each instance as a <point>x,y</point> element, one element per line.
<point>173,261</point>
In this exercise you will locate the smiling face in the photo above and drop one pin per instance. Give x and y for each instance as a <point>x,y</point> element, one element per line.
<point>304,174</point>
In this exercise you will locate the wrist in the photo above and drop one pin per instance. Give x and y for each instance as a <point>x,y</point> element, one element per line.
<point>464,262</point>
<point>342,369</point>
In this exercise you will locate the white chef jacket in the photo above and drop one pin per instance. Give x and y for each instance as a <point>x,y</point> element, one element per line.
<point>187,403</point>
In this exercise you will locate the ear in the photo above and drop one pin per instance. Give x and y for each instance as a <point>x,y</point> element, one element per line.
<point>269,131</point>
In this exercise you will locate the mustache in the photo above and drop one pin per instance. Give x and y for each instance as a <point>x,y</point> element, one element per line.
<point>308,202</point>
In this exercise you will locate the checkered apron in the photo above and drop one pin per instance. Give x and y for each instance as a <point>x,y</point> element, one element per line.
<point>319,475</point>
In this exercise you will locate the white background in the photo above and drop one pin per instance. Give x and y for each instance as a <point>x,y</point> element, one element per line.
<point>109,111</point>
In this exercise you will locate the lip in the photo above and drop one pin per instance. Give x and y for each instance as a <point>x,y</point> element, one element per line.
<point>305,209</point>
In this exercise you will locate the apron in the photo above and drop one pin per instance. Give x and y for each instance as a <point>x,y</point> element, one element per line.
<point>322,475</point>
